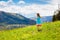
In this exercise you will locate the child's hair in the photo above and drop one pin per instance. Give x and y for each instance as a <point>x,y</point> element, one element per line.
<point>38,15</point>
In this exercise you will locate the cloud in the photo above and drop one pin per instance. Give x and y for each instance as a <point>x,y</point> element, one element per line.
<point>44,10</point>
<point>59,1</point>
<point>59,4</point>
<point>21,2</point>
<point>2,3</point>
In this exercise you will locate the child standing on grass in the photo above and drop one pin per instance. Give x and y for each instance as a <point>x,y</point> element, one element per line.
<point>38,22</point>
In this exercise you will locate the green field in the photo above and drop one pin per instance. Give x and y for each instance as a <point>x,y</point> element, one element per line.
<point>50,31</point>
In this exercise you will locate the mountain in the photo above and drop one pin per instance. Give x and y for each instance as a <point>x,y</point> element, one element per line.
<point>44,19</point>
<point>14,18</point>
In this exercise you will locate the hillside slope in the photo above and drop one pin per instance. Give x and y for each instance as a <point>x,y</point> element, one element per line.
<point>14,18</point>
<point>50,31</point>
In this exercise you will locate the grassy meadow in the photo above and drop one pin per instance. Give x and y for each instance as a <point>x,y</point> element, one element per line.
<point>50,31</point>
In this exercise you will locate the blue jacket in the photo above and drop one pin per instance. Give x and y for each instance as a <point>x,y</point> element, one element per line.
<point>38,21</point>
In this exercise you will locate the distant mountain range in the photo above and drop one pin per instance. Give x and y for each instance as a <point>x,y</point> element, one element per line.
<point>14,18</point>
<point>44,18</point>
<point>47,19</point>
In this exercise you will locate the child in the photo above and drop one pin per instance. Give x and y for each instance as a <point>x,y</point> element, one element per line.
<point>38,22</point>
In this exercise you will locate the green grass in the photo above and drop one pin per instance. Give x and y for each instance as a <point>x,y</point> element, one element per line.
<point>50,31</point>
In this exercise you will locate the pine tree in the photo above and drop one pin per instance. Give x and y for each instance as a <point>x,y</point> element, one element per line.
<point>56,16</point>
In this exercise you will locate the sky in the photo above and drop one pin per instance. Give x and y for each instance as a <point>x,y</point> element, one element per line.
<point>29,8</point>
